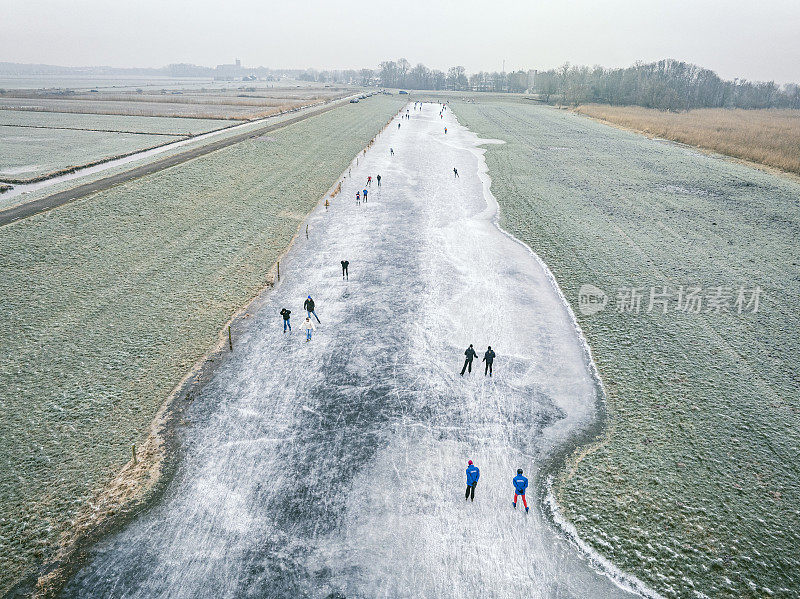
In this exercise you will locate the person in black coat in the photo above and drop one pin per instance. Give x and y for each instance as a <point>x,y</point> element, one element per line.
<point>345,264</point>
<point>488,357</point>
<point>286,313</point>
<point>470,355</point>
<point>308,306</point>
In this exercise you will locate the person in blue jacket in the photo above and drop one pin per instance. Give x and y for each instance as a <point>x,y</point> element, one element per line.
<point>520,484</point>
<point>473,474</point>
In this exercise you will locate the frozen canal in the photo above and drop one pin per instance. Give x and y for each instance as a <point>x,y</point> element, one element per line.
<point>335,468</point>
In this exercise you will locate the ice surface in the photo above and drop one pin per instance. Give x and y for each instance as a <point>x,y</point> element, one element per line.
<point>336,467</point>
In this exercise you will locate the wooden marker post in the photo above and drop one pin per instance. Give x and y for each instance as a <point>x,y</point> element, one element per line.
<point>230,339</point>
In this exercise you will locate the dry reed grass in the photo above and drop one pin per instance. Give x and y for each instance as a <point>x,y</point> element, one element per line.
<point>768,137</point>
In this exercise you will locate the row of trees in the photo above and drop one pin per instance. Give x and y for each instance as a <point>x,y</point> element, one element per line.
<point>665,85</point>
<point>401,74</point>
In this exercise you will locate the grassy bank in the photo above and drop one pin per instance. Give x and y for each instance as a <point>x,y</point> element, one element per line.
<point>769,137</point>
<point>109,300</point>
<point>695,486</point>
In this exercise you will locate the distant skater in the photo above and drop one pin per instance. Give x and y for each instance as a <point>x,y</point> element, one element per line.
<point>308,306</point>
<point>369,181</point>
<point>286,313</point>
<point>345,274</point>
<point>455,173</point>
<point>445,130</point>
<point>379,180</point>
<point>309,326</point>
<point>358,198</point>
<point>520,484</point>
<point>398,125</point>
<point>391,151</point>
<point>470,355</point>
<point>365,195</point>
<point>488,357</point>
<point>473,474</point>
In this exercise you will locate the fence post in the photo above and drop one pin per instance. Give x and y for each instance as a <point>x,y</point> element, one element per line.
<point>133,453</point>
<point>279,270</point>
<point>230,339</point>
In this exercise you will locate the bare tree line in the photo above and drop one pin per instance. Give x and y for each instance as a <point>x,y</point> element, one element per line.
<point>665,85</point>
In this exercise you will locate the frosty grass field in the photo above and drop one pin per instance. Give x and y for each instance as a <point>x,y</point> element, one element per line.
<point>30,153</point>
<point>694,486</point>
<point>110,122</point>
<point>109,300</point>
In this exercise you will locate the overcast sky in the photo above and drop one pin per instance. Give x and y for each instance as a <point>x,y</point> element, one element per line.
<point>737,38</point>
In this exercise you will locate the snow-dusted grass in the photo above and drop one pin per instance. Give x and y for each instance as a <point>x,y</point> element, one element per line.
<point>107,301</point>
<point>694,488</point>
<point>105,122</point>
<point>30,153</point>
<point>221,110</point>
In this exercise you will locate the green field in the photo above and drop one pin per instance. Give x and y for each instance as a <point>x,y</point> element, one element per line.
<point>694,487</point>
<point>29,153</point>
<point>109,122</point>
<point>109,300</point>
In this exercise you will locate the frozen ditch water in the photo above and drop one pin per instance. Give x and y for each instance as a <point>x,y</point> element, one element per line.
<point>336,468</point>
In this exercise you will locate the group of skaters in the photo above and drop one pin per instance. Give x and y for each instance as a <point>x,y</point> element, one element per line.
<point>520,483</point>
<point>310,308</point>
<point>363,195</point>
<point>471,354</point>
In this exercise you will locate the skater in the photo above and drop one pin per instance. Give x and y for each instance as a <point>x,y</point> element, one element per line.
<point>488,357</point>
<point>473,474</point>
<point>309,326</point>
<point>520,484</point>
<point>398,125</point>
<point>455,173</point>
<point>285,313</point>
<point>379,180</point>
<point>391,151</point>
<point>308,306</point>
<point>345,274</point>
<point>365,195</point>
<point>358,198</point>
<point>369,181</point>
<point>471,354</point>
<point>445,130</point>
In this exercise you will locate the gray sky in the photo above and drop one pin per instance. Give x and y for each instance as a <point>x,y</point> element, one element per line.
<point>737,38</point>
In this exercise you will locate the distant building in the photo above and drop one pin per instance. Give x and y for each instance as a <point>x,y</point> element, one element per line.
<point>532,79</point>
<point>229,72</point>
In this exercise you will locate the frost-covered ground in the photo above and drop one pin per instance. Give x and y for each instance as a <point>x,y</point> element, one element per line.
<point>696,487</point>
<point>28,153</point>
<point>33,191</point>
<point>106,302</point>
<point>335,468</point>
<point>208,109</point>
<point>111,122</point>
